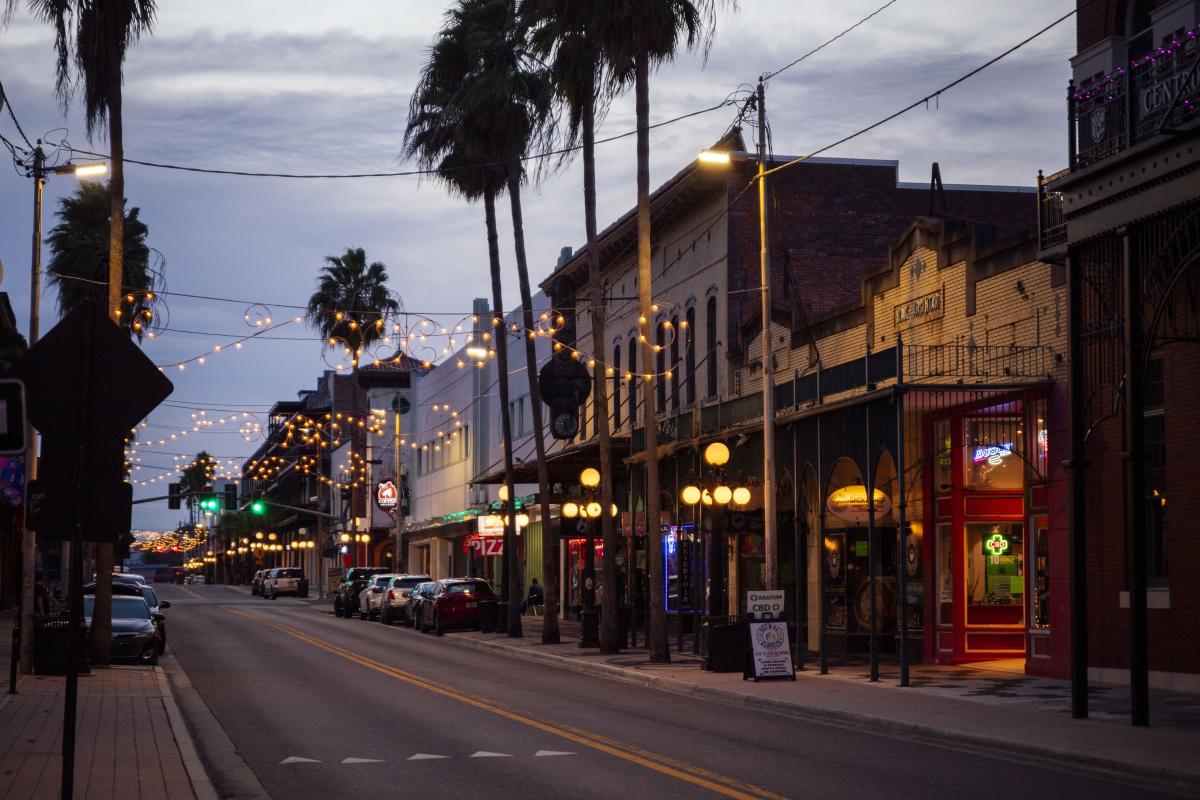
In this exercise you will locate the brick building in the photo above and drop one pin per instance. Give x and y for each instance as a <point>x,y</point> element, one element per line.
<point>1124,219</point>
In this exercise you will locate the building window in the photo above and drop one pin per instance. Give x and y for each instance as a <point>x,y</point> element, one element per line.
<point>1041,575</point>
<point>995,568</point>
<point>710,346</point>
<point>689,356</point>
<point>675,363</point>
<point>616,387</point>
<point>1140,31</point>
<point>943,473</point>
<point>660,367</point>
<point>994,453</point>
<point>945,573</point>
<point>633,383</point>
<point>1155,433</point>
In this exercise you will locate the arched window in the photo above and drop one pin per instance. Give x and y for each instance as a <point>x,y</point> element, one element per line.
<point>675,363</point>
<point>710,346</point>
<point>689,356</point>
<point>633,371</point>
<point>660,366</point>
<point>616,387</point>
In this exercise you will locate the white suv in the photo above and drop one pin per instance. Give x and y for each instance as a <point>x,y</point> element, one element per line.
<point>396,595</point>
<point>370,599</point>
<point>282,580</point>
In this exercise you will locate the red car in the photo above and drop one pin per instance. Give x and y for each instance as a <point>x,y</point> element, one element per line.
<point>454,604</point>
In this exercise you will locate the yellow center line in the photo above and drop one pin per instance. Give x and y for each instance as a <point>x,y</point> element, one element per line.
<point>189,592</point>
<point>714,782</point>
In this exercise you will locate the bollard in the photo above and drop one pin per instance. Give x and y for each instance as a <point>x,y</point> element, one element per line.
<point>12,666</point>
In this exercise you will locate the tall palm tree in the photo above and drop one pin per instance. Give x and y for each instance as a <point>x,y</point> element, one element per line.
<point>79,255</point>
<point>351,303</point>
<point>563,34</point>
<point>440,137</point>
<point>197,477</point>
<point>635,37</point>
<point>95,35</point>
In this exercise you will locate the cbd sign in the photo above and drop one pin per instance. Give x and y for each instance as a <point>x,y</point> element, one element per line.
<point>996,544</point>
<point>387,496</point>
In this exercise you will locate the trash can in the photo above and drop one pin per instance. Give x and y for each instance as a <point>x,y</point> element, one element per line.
<point>302,587</point>
<point>51,642</point>
<point>488,614</point>
<point>723,644</point>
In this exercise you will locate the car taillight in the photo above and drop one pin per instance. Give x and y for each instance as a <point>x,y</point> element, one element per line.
<point>391,595</point>
<point>274,581</point>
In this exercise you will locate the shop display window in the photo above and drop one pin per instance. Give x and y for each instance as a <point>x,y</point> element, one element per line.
<point>995,573</point>
<point>943,472</point>
<point>1041,570</point>
<point>945,573</point>
<point>994,453</point>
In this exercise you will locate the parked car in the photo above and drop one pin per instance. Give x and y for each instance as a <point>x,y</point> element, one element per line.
<point>454,603</point>
<point>148,594</point>
<point>370,599</point>
<point>283,580</point>
<point>256,583</point>
<point>129,577</point>
<point>134,629</point>
<point>421,595</point>
<point>345,600</point>
<point>396,596</point>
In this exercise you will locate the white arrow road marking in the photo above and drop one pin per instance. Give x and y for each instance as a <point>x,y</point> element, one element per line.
<point>353,760</point>
<point>486,754</point>
<point>299,760</point>
<point>552,753</point>
<point>424,757</point>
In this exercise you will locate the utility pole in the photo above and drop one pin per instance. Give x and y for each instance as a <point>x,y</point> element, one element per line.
<point>770,534</point>
<point>399,562</point>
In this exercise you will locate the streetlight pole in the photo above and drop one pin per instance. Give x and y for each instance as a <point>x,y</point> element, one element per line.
<point>770,534</point>
<point>399,562</point>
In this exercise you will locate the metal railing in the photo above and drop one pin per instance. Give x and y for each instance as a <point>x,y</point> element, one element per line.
<point>1052,224</point>
<point>974,363</point>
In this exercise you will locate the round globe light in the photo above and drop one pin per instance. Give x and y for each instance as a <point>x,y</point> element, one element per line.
<point>716,454</point>
<point>590,478</point>
<point>706,498</point>
<point>522,520</point>
<point>503,493</point>
<point>691,495</point>
<point>594,509</point>
<point>741,495</point>
<point>570,510</point>
<point>722,494</point>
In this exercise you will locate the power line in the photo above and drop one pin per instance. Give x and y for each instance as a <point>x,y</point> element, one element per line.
<point>768,75</point>
<point>13,114</point>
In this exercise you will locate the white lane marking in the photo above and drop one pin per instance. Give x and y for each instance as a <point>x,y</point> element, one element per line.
<point>486,754</point>
<point>424,757</point>
<point>300,760</point>
<point>552,753</point>
<point>353,760</point>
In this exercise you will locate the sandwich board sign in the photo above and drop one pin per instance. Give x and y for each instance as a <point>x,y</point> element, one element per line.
<point>770,655</point>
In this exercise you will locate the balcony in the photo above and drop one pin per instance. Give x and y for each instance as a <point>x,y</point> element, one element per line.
<point>1154,94</point>
<point>1052,224</point>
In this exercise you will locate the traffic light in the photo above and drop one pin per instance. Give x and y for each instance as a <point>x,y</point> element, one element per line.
<point>231,498</point>
<point>258,507</point>
<point>174,495</point>
<point>209,502</point>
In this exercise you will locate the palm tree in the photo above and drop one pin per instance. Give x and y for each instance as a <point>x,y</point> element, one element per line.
<point>351,303</point>
<point>563,33</point>
<point>635,37</point>
<point>197,477</point>
<point>95,35</point>
<point>79,255</point>
<point>439,136</point>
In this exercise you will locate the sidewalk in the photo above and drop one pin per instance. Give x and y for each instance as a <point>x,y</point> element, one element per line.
<point>131,741</point>
<point>979,707</point>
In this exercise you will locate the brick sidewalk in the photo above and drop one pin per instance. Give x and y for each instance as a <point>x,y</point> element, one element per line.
<point>130,740</point>
<point>984,709</point>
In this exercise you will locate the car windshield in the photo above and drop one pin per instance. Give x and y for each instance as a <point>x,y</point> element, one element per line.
<point>291,573</point>
<point>382,581</point>
<point>122,607</point>
<point>361,574</point>
<point>468,588</point>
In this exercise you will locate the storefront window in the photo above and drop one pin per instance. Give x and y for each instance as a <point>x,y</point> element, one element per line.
<point>1041,567</point>
<point>943,472</point>
<point>945,573</point>
<point>996,571</point>
<point>994,453</point>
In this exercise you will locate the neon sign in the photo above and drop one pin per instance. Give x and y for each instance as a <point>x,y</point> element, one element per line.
<point>993,454</point>
<point>996,544</point>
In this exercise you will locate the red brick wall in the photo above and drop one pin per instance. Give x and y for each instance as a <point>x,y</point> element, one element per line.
<point>830,225</point>
<point>1096,20</point>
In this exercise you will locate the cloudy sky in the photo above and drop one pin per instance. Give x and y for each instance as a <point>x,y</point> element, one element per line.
<point>281,86</point>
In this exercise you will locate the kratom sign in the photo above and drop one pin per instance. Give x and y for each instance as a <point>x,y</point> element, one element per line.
<point>921,309</point>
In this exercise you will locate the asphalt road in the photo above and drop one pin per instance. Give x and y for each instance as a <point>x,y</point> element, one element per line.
<point>321,707</point>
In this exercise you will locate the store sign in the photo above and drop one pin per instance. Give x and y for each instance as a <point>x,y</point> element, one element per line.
<point>850,504</point>
<point>996,545</point>
<point>488,546</point>
<point>387,496</point>
<point>993,454</point>
<point>490,525</point>
<point>1157,96</point>
<point>771,651</point>
<point>765,604</point>
<point>921,309</point>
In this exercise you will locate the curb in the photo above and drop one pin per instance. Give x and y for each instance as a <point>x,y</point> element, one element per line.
<point>197,775</point>
<point>1162,777</point>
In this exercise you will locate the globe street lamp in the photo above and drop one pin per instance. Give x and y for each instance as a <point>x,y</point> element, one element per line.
<point>588,510</point>
<point>713,491</point>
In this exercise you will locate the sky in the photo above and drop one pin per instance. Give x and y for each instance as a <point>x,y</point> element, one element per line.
<point>281,86</point>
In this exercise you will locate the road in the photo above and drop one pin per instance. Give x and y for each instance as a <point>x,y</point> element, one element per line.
<point>321,707</point>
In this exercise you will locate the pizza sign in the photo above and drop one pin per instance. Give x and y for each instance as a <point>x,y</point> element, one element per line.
<point>387,496</point>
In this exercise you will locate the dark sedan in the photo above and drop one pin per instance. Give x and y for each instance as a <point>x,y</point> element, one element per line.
<point>148,594</point>
<point>134,634</point>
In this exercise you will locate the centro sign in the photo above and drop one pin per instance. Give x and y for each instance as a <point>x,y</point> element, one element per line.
<point>765,603</point>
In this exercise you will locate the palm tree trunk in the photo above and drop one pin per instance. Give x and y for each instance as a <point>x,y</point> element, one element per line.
<point>550,622</point>
<point>659,650</point>
<point>101,637</point>
<point>501,335</point>
<point>610,638</point>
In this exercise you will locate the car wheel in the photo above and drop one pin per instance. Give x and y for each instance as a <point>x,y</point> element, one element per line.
<point>418,623</point>
<point>337,607</point>
<point>385,617</point>
<point>437,623</point>
<point>363,615</point>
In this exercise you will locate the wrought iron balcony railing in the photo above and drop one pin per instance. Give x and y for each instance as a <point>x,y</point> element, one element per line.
<point>1132,104</point>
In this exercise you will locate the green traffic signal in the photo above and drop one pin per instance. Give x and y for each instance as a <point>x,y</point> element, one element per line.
<point>258,507</point>
<point>210,504</point>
